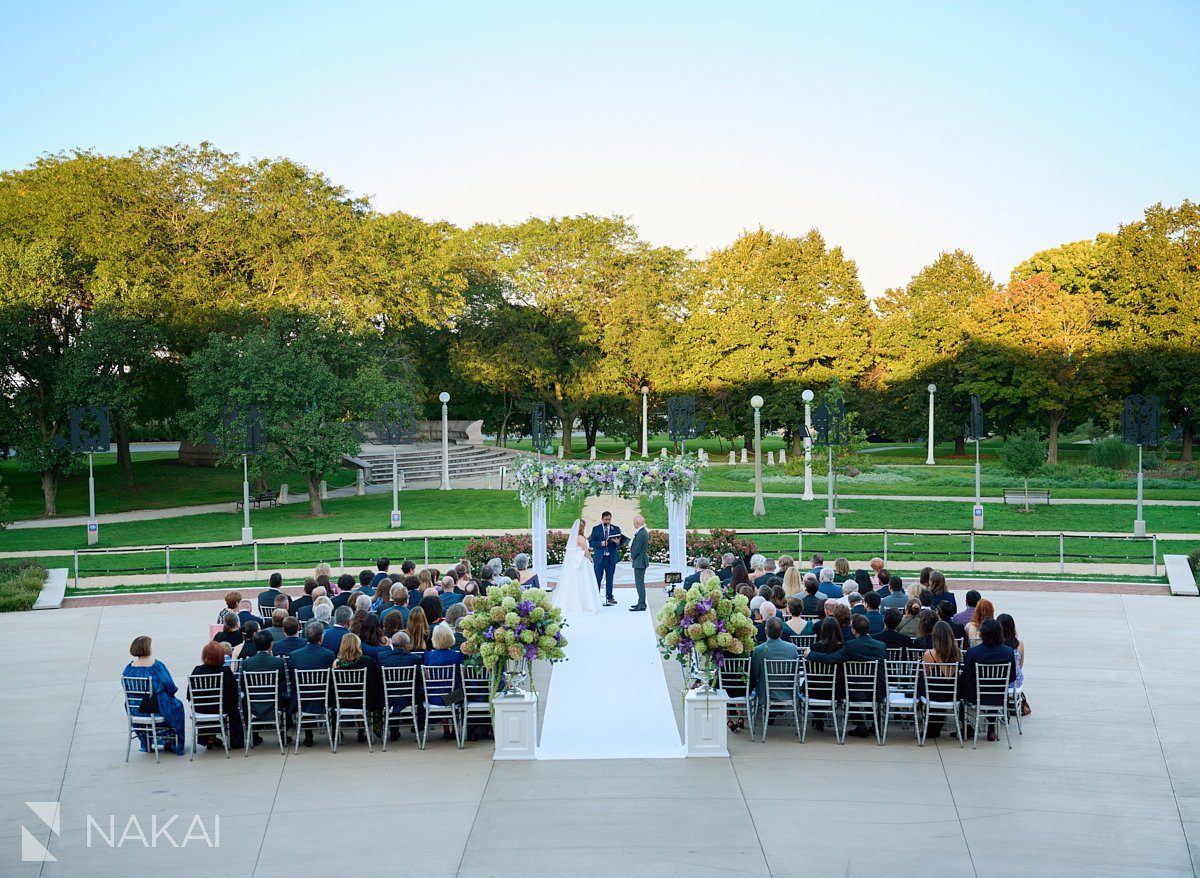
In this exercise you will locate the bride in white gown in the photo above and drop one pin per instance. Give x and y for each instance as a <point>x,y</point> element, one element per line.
<point>576,591</point>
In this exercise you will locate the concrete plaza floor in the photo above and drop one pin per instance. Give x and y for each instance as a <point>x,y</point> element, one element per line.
<point>1105,780</point>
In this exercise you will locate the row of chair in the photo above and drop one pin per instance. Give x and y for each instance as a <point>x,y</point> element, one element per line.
<point>328,699</point>
<point>910,689</point>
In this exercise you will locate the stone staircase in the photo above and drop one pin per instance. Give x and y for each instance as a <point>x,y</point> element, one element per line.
<point>420,465</point>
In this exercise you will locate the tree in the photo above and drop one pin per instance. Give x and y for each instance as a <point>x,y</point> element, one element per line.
<point>1023,454</point>
<point>922,337</point>
<point>1034,347</point>
<point>772,313</point>
<point>310,383</point>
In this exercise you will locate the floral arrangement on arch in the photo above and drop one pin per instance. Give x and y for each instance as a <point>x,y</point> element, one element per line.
<point>559,480</point>
<point>513,623</point>
<point>704,624</point>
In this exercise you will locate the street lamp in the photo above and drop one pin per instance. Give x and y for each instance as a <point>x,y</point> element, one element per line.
<point>756,402</point>
<point>807,396</point>
<point>645,415</point>
<point>444,397</point>
<point>929,457</point>
<point>247,531</point>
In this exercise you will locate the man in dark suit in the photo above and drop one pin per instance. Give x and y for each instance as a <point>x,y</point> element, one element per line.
<point>896,597</point>
<point>304,600</point>
<point>945,613</point>
<point>246,614</point>
<point>773,648</point>
<point>726,572</point>
<point>874,616</point>
<point>990,651</point>
<point>291,641</point>
<point>263,660</point>
<point>340,628</point>
<point>382,566</point>
<point>400,657</point>
<point>703,568</point>
<point>862,647</point>
<point>639,557</point>
<point>267,598</point>
<point>313,657</point>
<point>889,636</point>
<point>813,602</point>
<point>606,541</point>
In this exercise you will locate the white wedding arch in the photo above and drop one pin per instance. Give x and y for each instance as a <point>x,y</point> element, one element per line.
<point>674,478</point>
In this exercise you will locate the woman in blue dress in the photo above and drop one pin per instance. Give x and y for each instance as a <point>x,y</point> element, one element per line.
<point>170,708</point>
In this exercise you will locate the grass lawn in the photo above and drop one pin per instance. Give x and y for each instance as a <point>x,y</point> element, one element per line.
<point>20,584</point>
<point>735,512</point>
<point>420,510</point>
<point>160,482</point>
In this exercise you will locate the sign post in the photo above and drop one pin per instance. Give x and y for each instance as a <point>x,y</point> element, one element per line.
<point>89,433</point>
<point>1140,426</point>
<point>975,431</point>
<point>242,433</point>
<point>832,429</point>
<point>394,424</point>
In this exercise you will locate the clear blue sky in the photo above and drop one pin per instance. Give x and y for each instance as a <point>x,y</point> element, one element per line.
<point>897,129</point>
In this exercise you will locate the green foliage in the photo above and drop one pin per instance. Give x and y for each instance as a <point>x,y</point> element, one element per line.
<point>1112,453</point>
<point>20,585</point>
<point>1024,455</point>
<point>1194,561</point>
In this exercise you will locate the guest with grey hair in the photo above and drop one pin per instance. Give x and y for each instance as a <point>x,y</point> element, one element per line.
<point>702,565</point>
<point>758,565</point>
<point>726,571</point>
<point>849,587</point>
<point>323,612</point>
<point>525,576</point>
<point>362,602</point>
<point>454,616</point>
<point>497,567</point>
<point>826,585</point>
<point>766,574</point>
<point>400,656</point>
<point>340,628</point>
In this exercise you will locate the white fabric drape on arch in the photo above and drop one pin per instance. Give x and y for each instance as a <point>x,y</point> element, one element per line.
<point>538,525</point>
<point>677,520</point>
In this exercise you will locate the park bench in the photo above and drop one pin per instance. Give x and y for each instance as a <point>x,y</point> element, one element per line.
<point>1017,495</point>
<point>271,498</point>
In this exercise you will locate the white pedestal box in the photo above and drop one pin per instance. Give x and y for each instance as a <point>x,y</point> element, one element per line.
<point>704,718</point>
<point>515,726</point>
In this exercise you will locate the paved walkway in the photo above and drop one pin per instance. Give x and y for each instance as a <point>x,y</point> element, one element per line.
<point>1105,779</point>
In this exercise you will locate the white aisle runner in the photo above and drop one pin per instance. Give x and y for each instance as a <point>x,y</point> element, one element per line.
<point>610,699</point>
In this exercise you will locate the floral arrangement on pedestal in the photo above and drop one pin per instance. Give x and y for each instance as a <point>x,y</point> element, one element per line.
<point>511,624</point>
<point>704,626</point>
<point>558,480</point>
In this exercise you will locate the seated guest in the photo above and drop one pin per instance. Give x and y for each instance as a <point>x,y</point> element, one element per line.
<point>945,612</point>
<point>305,600</point>
<point>841,570</point>
<point>1008,631</point>
<point>778,597</point>
<point>351,658</point>
<point>817,564</point>
<point>876,564</point>
<point>212,661</point>
<point>812,602</point>
<point>910,623</point>
<point>889,636</point>
<point>766,611</point>
<point>862,579</point>
<point>926,599</point>
<point>383,595</point>
<point>370,635</point>
<point>263,660</point>
<point>964,616</point>
<point>246,612</point>
<point>922,583</point>
<point>487,578</point>
<point>937,585</point>
<point>829,641</point>
<point>392,622</point>
<point>793,583</point>
<point>162,691</point>
<point>758,570</point>
<point>984,610</point>
<point>991,651</point>
<point>322,610</point>
<point>827,586</point>
<point>943,650</point>
<point>454,616</point>
<point>895,598</point>
<point>339,629</point>
<point>276,627</point>
<point>841,612</point>
<point>307,611</point>
<point>272,591</point>
<point>381,566</point>
<point>291,641</point>
<point>797,624</point>
<point>726,569</point>
<point>783,564</point>
<point>397,604</point>
<point>738,576</point>
<point>361,603</point>
<point>399,657</point>
<point>418,630</point>
<point>434,611</point>
<point>311,657</point>
<point>855,600</point>
<point>233,600</point>
<point>862,647</point>
<point>525,575</point>
<point>925,622</point>
<point>443,653</point>
<point>849,587</point>
<point>366,584</point>
<point>874,615</point>
<point>231,630</point>
<point>246,648</point>
<point>497,568</point>
<point>773,648</point>
<point>882,583</point>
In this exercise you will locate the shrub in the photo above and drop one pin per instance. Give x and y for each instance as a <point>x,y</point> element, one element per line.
<point>717,543</point>
<point>20,585</point>
<point>1194,561</point>
<point>1112,453</point>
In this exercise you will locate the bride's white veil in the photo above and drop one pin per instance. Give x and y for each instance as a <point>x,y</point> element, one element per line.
<point>572,553</point>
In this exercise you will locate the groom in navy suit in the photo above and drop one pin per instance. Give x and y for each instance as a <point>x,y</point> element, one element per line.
<point>606,542</point>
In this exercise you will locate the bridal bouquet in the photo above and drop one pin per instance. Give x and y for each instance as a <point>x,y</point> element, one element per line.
<point>701,624</point>
<point>511,623</point>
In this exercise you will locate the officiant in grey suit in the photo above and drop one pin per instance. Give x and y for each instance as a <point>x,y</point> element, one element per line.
<point>639,556</point>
